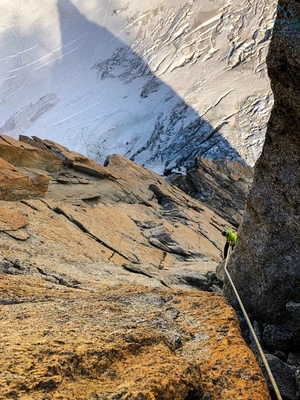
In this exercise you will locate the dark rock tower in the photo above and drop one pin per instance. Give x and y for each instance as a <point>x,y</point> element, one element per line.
<point>265,265</point>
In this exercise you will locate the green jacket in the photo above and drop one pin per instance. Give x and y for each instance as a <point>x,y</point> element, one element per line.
<point>230,237</point>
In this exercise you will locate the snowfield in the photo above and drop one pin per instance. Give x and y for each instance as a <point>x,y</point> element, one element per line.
<point>159,81</point>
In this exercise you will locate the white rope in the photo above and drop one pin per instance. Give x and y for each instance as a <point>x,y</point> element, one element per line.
<point>275,387</point>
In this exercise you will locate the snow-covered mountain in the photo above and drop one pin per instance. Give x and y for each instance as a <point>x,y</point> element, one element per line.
<point>159,81</point>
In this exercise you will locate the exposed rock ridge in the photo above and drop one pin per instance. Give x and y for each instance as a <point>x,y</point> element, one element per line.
<point>95,288</point>
<point>221,185</point>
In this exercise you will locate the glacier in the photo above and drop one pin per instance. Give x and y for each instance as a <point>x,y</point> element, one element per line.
<point>159,82</point>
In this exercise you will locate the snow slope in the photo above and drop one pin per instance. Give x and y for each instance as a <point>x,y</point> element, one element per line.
<point>158,81</point>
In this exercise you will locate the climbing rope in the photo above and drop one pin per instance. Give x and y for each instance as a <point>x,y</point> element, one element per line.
<point>275,387</point>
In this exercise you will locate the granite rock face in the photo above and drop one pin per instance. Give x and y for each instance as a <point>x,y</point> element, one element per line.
<point>221,185</point>
<point>121,341</point>
<point>15,185</point>
<point>20,154</point>
<point>265,265</point>
<point>96,299</point>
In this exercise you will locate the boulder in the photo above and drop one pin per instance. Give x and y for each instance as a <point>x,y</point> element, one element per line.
<point>277,338</point>
<point>284,376</point>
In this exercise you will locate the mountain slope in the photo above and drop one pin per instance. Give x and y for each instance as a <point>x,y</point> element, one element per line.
<point>160,82</point>
<point>104,290</point>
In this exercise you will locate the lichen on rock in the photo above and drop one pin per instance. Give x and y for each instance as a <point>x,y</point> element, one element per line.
<point>105,289</point>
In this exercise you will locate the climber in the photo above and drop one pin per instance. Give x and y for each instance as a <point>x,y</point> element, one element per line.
<point>230,241</point>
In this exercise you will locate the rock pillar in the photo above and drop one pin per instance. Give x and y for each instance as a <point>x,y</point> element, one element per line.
<point>265,265</point>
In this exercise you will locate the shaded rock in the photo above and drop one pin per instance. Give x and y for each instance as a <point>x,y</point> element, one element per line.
<point>277,338</point>
<point>297,378</point>
<point>265,263</point>
<point>12,267</point>
<point>281,355</point>
<point>293,359</point>
<point>150,272</point>
<point>220,271</point>
<point>197,280</point>
<point>284,376</point>
<point>221,185</point>
<point>258,329</point>
<point>167,237</point>
<point>294,309</point>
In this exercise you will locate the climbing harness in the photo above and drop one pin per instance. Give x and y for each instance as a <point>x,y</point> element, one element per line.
<point>275,387</point>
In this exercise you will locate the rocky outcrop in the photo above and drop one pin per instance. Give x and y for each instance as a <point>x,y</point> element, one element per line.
<point>15,185</point>
<point>221,185</point>
<point>133,214</point>
<point>266,260</point>
<point>267,253</point>
<point>21,154</point>
<point>97,291</point>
